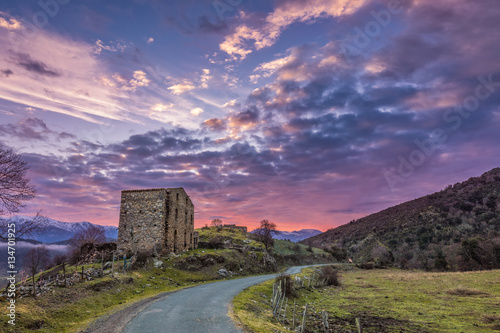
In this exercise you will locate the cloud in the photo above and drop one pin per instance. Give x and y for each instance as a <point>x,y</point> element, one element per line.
<point>196,111</point>
<point>32,129</point>
<point>99,46</point>
<point>7,72</point>
<point>159,107</point>
<point>8,22</point>
<point>256,33</point>
<point>66,81</point>
<point>214,124</point>
<point>38,67</point>
<point>205,77</point>
<point>181,88</point>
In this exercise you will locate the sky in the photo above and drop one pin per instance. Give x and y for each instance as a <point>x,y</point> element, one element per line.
<point>308,113</point>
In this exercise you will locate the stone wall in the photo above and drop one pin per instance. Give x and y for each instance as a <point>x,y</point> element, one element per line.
<point>160,219</point>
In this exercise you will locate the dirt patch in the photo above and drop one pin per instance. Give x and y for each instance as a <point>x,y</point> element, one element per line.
<point>103,285</point>
<point>466,292</point>
<point>369,286</point>
<point>35,325</point>
<point>488,319</point>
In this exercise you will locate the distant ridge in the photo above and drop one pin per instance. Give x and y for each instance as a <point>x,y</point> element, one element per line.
<point>295,236</point>
<point>60,232</point>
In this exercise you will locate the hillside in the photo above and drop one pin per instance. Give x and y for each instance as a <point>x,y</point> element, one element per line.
<point>456,228</point>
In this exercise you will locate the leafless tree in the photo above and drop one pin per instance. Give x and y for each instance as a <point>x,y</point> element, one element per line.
<point>26,229</point>
<point>93,234</point>
<point>265,233</point>
<point>15,187</point>
<point>217,223</point>
<point>34,260</point>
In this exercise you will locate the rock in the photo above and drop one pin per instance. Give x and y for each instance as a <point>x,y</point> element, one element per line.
<point>157,263</point>
<point>223,272</point>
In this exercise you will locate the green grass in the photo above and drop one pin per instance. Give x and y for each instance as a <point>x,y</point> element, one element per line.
<point>388,301</point>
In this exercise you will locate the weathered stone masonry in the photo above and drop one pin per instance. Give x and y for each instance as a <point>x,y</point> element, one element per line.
<point>156,218</point>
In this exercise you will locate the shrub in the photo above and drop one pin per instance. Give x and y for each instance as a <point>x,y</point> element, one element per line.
<point>58,260</point>
<point>328,276</point>
<point>339,253</point>
<point>297,248</point>
<point>142,258</point>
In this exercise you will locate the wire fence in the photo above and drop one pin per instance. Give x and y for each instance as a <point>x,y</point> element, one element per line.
<point>292,316</point>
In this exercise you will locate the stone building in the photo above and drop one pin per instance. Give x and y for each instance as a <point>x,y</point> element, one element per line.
<point>161,219</point>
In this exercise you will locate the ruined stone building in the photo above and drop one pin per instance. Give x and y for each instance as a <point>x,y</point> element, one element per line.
<point>161,219</point>
<point>235,227</point>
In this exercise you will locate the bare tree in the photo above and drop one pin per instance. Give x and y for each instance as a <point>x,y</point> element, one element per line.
<point>217,223</point>
<point>15,187</point>
<point>265,233</point>
<point>93,234</point>
<point>34,260</point>
<point>25,229</point>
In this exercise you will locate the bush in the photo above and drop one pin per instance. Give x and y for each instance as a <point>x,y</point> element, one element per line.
<point>328,276</point>
<point>296,248</point>
<point>58,260</point>
<point>339,253</point>
<point>142,258</point>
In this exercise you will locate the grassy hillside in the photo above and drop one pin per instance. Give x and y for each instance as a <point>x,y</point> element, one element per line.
<point>388,300</point>
<point>72,308</point>
<point>456,228</point>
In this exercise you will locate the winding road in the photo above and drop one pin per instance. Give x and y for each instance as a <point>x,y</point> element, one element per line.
<point>199,309</point>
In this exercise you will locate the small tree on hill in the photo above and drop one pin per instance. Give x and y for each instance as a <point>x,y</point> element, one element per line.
<point>34,260</point>
<point>91,235</point>
<point>217,223</point>
<point>265,233</point>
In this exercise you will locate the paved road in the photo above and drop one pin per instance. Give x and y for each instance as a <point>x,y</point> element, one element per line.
<point>199,309</point>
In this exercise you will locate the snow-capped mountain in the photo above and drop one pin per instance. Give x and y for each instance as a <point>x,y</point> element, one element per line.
<point>295,236</point>
<point>57,231</point>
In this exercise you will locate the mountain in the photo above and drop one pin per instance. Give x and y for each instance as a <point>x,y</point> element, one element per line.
<point>295,236</point>
<point>456,228</point>
<point>58,232</point>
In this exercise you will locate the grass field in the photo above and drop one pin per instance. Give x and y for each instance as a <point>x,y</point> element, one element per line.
<point>386,301</point>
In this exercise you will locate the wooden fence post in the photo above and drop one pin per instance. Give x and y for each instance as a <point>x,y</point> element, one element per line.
<point>304,319</point>
<point>325,321</point>
<point>358,325</point>
<point>64,273</point>
<point>284,313</point>
<point>293,322</point>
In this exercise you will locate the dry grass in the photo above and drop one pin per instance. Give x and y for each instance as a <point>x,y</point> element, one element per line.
<point>488,319</point>
<point>466,292</point>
